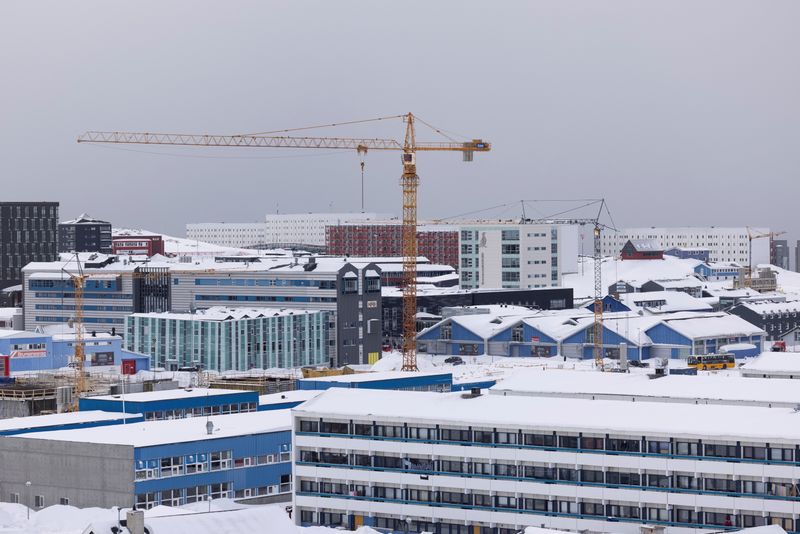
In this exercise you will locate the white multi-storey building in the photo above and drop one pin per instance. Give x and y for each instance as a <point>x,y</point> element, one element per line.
<point>724,244</point>
<point>244,235</point>
<point>453,463</point>
<point>513,255</point>
<point>276,230</point>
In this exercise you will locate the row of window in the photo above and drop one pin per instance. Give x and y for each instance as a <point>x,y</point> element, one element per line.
<point>634,445</point>
<point>97,320</point>
<point>543,505</point>
<point>770,487</point>
<point>262,298</point>
<point>251,282</point>
<point>200,411</point>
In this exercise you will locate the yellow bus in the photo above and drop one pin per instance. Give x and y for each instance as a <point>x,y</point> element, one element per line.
<point>712,361</point>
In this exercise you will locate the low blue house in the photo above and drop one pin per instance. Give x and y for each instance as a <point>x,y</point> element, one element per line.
<point>395,380</point>
<point>176,403</point>
<point>33,351</point>
<point>718,271</point>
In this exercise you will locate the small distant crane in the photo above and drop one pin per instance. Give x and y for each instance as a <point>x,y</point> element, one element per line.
<point>748,279</point>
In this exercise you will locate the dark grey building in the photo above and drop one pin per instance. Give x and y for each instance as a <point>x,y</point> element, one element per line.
<point>84,234</point>
<point>779,253</point>
<point>27,233</point>
<point>432,300</point>
<point>776,318</point>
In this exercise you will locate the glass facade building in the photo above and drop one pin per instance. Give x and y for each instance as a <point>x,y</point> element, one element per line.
<point>222,339</point>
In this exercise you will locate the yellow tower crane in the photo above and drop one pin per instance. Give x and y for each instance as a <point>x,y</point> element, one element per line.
<point>409,181</point>
<point>79,283</point>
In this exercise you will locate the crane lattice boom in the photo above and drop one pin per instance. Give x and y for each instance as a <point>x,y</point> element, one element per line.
<point>409,182</point>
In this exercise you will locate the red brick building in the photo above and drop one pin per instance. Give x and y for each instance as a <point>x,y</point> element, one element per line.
<point>439,245</point>
<point>137,244</point>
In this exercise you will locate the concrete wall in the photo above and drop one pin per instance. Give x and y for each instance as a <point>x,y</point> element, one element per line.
<point>87,474</point>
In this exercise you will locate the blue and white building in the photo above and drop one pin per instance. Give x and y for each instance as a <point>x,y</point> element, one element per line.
<point>22,351</point>
<point>238,456</point>
<point>495,464</point>
<point>175,403</point>
<point>571,334</point>
<point>396,380</point>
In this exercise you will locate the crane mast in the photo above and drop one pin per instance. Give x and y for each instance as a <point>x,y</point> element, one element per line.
<point>409,182</point>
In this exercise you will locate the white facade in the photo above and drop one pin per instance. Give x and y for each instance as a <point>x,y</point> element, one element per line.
<point>278,229</point>
<point>309,228</point>
<point>513,255</point>
<point>724,244</point>
<point>242,235</point>
<point>494,464</point>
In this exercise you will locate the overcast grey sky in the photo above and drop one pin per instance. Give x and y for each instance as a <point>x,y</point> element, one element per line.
<point>678,112</point>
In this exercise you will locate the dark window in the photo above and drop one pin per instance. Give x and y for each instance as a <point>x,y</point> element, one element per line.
<point>591,443</point>
<point>483,436</point>
<point>327,427</point>
<point>756,453</point>
<point>592,508</point>
<point>540,440</point>
<point>721,484</point>
<point>722,451</point>
<point>658,481</point>
<point>539,472</point>
<point>452,434</point>
<point>622,445</point>
<point>568,474</point>
<point>624,479</point>
<point>360,429</point>
<point>568,442</point>
<point>590,475</point>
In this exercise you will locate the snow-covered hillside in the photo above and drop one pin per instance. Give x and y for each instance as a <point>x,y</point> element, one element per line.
<point>613,270</point>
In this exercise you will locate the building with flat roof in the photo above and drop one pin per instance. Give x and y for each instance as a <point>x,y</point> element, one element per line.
<point>446,463</point>
<point>233,339</point>
<point>516,255</point>
<point>242,456</point>
<point>438,243</point>
<point>280,230</point>
<point>84,234</point>
<point>723,244</point>
<point>396,380</point>
<point>641,387</point>
<point>175,403</point>
<point>28,232</point>
<point>773,365</point>
<point>65,421</point>
<point>116,287</point>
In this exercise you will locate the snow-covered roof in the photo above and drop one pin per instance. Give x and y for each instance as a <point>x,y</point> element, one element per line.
<point>297,395</point>
<point>646,245</point>
<point>675,301</point>
<point>69,418</point>
<point>84,218</point>
<point>706,421</point>
<point>168,394</point>
<point>713,325</point>
<point>704,388</point>
<point>689,281</point>
<point>774,362</point>
<point>771,308</point>
<point>151,433</point>
<point>18,333</point>
<point>374,377</point>
<point>224,313</point>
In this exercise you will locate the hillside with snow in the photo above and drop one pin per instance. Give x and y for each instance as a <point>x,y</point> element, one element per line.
<point>180,246</point>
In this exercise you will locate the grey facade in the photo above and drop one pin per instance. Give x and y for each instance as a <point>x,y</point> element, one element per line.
<point>84,234</point>
<point>85,474</point>
<point>777,318</point>
<point>779,253</point>
<point>27,233</point>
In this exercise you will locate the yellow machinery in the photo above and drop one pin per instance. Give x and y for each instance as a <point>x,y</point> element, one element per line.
<point>409,181</point>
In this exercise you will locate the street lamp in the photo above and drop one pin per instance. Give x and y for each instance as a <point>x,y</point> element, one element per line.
<point>28,497</point>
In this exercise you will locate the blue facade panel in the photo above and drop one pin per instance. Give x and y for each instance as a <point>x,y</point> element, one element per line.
<point>144,407</point>
<point>442,381</point>
<point>462,334</point>
<point>662,334</point>
<point>250,446</point>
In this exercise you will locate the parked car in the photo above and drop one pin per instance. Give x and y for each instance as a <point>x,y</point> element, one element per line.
<point>455,360</point>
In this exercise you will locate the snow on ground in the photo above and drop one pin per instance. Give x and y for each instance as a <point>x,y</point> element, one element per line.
<point>788,281</point>
<point>613,270</point>
<point>225,516</point>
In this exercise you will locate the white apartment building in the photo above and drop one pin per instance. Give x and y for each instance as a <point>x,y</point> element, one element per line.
<point>724,244</point>
<point>455,463</point>
<point>309,228</point>
<point>241,235</point>
<point>514,255</point>
<point>277,229</point>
